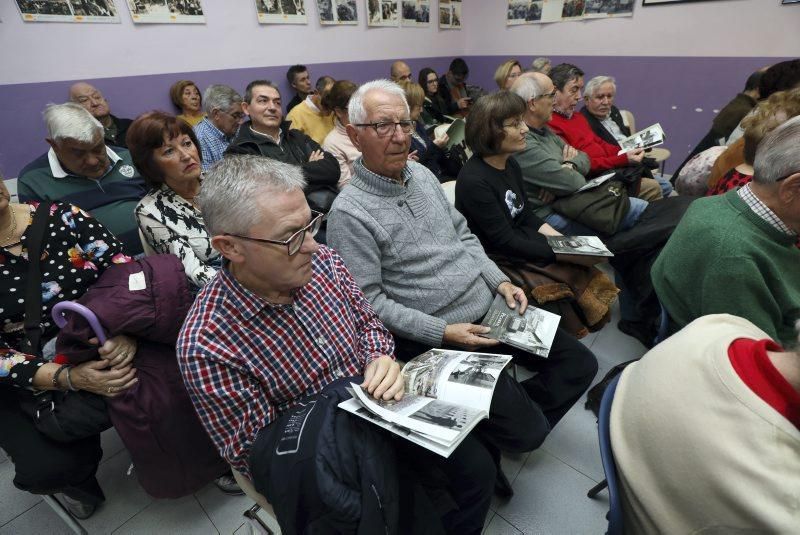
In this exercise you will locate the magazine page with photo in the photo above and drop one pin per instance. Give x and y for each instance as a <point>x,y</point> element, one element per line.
<point>581,245</point>
<point>533,331</point>
<point>643,139</point>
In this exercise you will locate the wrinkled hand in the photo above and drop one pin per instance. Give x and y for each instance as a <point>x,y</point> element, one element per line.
<point>383,380</point>
<point>579,259</point>
<point>467,336</point>
<point>94,376</point>
<point>413,156</point>
<point>545,196</point>
<point>464,103</point>
<point>636,156</point>
<point>442,140</point>
<point>316,155</point>
<point>569,152</point>
<point>118,351</point>
<point>513,295</point>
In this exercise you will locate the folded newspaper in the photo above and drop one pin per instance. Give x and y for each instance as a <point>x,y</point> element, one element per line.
<point>593,183</point>
<point>446,394</point>
<point>643,139</point>
<point>532,331</point>
<point>582,245</point>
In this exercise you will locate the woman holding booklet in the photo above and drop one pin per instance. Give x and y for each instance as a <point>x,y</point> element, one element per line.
<point>490,194</point>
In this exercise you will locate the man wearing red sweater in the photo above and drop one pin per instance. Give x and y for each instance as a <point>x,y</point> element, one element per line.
<point>575,129</point>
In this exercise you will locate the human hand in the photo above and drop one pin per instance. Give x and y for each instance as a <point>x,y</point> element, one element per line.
<point>547,230</point>
<point>464,103</point>
<point>118,351</point>
<point>467,336</point>
<point>94,376</point>
<point>413,156</point>
<point>316,155</point>
<point>382,379</point>
<point>580,259</point>
<point>636,156</point>
<point>442,140</point>
<point>513,295</point>
<point>545,196</point>
<point>569,152</point>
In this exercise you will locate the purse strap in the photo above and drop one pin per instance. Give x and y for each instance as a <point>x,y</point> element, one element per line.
<point>33,288</point>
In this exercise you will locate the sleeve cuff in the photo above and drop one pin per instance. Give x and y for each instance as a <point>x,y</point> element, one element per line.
<point>494,277</point>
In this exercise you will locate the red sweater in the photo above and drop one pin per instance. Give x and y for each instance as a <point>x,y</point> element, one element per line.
<point>577,132</point>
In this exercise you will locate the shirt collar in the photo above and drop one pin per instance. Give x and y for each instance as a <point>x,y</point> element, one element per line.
<point>58,171</point>
<point>214,130</point>
<point>762,210</point>
<point>245,301</point>
<point>383,182</point>
<point>310,104</point>
<point>269,137</point>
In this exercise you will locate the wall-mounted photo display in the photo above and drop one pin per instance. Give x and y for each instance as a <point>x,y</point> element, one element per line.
<point>281,11</point>
<point>599,9</point>
<point>524,12</point>
<point>540,11</point>
<point>382,13</point>
<point>68,11</point>
<point>416,13</point>
<point>332,12</point>
<point>166,11</point>
<point>655,2</point>
<point>450,14</point>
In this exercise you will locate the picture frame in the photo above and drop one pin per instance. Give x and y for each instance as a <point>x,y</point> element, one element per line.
<point>647,3</point>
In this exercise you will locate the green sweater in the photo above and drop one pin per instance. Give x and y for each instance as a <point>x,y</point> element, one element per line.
<point>723,258</point>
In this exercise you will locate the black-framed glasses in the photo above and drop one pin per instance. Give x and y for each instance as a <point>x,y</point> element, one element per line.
<point>387,128</point>
<point>295,241</point>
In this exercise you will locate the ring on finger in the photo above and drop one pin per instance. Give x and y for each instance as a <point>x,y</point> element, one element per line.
<point>110,389</point>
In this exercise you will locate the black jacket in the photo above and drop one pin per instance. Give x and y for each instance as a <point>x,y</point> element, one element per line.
<point>295,148</point>
<point>122,130</point>
<point>600,130</point>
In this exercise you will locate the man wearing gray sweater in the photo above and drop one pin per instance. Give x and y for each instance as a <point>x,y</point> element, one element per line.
<point>427,276</point>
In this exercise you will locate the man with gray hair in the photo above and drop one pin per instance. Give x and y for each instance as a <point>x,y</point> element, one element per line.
<point>431,283</point>
<point>80,169</point>
<point>224,115</point>
<point>281,323</point>
<point>737,253</point>
<point>542,65</point>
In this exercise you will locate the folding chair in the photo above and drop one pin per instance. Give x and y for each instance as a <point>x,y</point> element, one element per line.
<point>614,515</point>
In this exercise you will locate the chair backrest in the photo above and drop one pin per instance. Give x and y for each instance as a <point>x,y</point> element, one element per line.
<point>663,326</point>
<point>450,191</point>
<point>607,458</point>
<point>148,251</point>
<point>627,118</point>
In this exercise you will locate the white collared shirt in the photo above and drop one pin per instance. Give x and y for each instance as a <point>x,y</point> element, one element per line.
<point>58,171</point>
<point>310,104</point>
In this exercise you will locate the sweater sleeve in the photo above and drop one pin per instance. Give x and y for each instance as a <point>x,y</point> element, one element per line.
<point>357,244</point>
<point>542,169</point>
<point>476,198</point>
<point>324,172</point>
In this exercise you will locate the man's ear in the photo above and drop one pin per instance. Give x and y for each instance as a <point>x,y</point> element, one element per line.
<point>52,143</point>
<point>789,189</point>
<point>228,247</point>
<point>246,108</point>
<point>352,133</point>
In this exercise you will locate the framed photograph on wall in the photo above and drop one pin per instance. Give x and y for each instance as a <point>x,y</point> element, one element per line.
<point>68,11</point>
<point>166,11</point>
<point>657,2</point>
<point>333,12</point>
<point>281,11</point>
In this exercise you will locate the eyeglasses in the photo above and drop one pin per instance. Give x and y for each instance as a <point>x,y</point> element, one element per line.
<point>295,241</point>
<point>434,81</point>
<point>387,128</point>
<point>548,95</point>
<point>236,116</point>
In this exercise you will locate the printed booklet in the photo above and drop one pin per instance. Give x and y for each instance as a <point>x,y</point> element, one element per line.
<point>532,331</point>
<point>643,139</point>
<point>446,394</point>
<point>582,245</point>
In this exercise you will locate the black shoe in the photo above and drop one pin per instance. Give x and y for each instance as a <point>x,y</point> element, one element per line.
<point>502,486</point>
<point>78,509</point>
<point>642,331</point>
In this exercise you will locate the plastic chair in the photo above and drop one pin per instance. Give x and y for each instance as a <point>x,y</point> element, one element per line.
<point>261,502</point>
<point>614,515</point>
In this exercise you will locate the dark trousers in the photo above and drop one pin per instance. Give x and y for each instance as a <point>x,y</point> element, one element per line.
<point>44,466</point>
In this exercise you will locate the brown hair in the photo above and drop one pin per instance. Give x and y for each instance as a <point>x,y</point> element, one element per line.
<point>768,115</point>
<point>484,132</point>
<point>176,93</point>
<point>339,94</point>
<point>146,134</point>
<point>503,71</point>
<point>415,95</point>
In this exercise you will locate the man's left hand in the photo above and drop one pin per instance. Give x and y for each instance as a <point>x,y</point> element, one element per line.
<point>383,380</point>
<point>117,351</point>
<point>513,295</point>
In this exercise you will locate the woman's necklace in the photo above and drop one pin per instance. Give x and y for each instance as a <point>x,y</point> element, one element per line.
<point>13,230</point>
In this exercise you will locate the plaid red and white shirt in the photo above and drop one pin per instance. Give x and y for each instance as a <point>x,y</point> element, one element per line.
<point>245,360</point>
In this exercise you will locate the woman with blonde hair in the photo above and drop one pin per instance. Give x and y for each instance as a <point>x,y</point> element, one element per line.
<point>507,73</point>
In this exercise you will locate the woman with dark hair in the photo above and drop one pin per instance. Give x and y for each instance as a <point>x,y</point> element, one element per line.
<point>433,107</point>
<point>165,150</point>
<point>337,142</point>
<point>186,97</point>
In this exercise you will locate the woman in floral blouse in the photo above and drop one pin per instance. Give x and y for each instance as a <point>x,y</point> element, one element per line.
<point>165,150</point>
<point>76,250</point>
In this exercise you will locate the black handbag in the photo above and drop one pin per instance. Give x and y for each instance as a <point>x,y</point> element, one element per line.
<point>601,208</point>
<point>61,416</point>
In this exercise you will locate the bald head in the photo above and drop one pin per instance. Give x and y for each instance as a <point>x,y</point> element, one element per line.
<point>91,99</point>
<point>536,89</point>
<point>400,71</point>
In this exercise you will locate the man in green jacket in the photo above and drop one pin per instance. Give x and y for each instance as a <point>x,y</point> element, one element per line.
<point>737,253</point>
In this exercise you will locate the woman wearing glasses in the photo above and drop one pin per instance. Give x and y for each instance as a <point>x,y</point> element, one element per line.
<point>165,150</point>
<point>433,107</point>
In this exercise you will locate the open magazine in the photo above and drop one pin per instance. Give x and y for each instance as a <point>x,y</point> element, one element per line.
<point>457,143</point>
<point>643,139</point>
<point>582,245</point>
<point>532,331</point>
<point>593,183</point>
<point>446,394</point>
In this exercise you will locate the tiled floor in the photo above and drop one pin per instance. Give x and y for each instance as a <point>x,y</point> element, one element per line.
<point>550,484</point>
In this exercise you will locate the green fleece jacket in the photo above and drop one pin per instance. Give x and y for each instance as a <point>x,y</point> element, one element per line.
<point>723,258</point>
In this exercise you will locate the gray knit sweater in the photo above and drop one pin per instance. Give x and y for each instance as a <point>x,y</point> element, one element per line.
<point>412,253</point>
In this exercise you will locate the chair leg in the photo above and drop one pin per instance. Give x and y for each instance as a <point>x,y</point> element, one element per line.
<point>594,491</point>
<point>61,511</point>
<point>252,515</point>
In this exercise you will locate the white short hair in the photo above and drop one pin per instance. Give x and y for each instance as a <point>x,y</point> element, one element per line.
<point>356,111</point>
<point>527,87</point>
<point>596,83</point>
<point>71,121</point>
<point>777,156</point>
